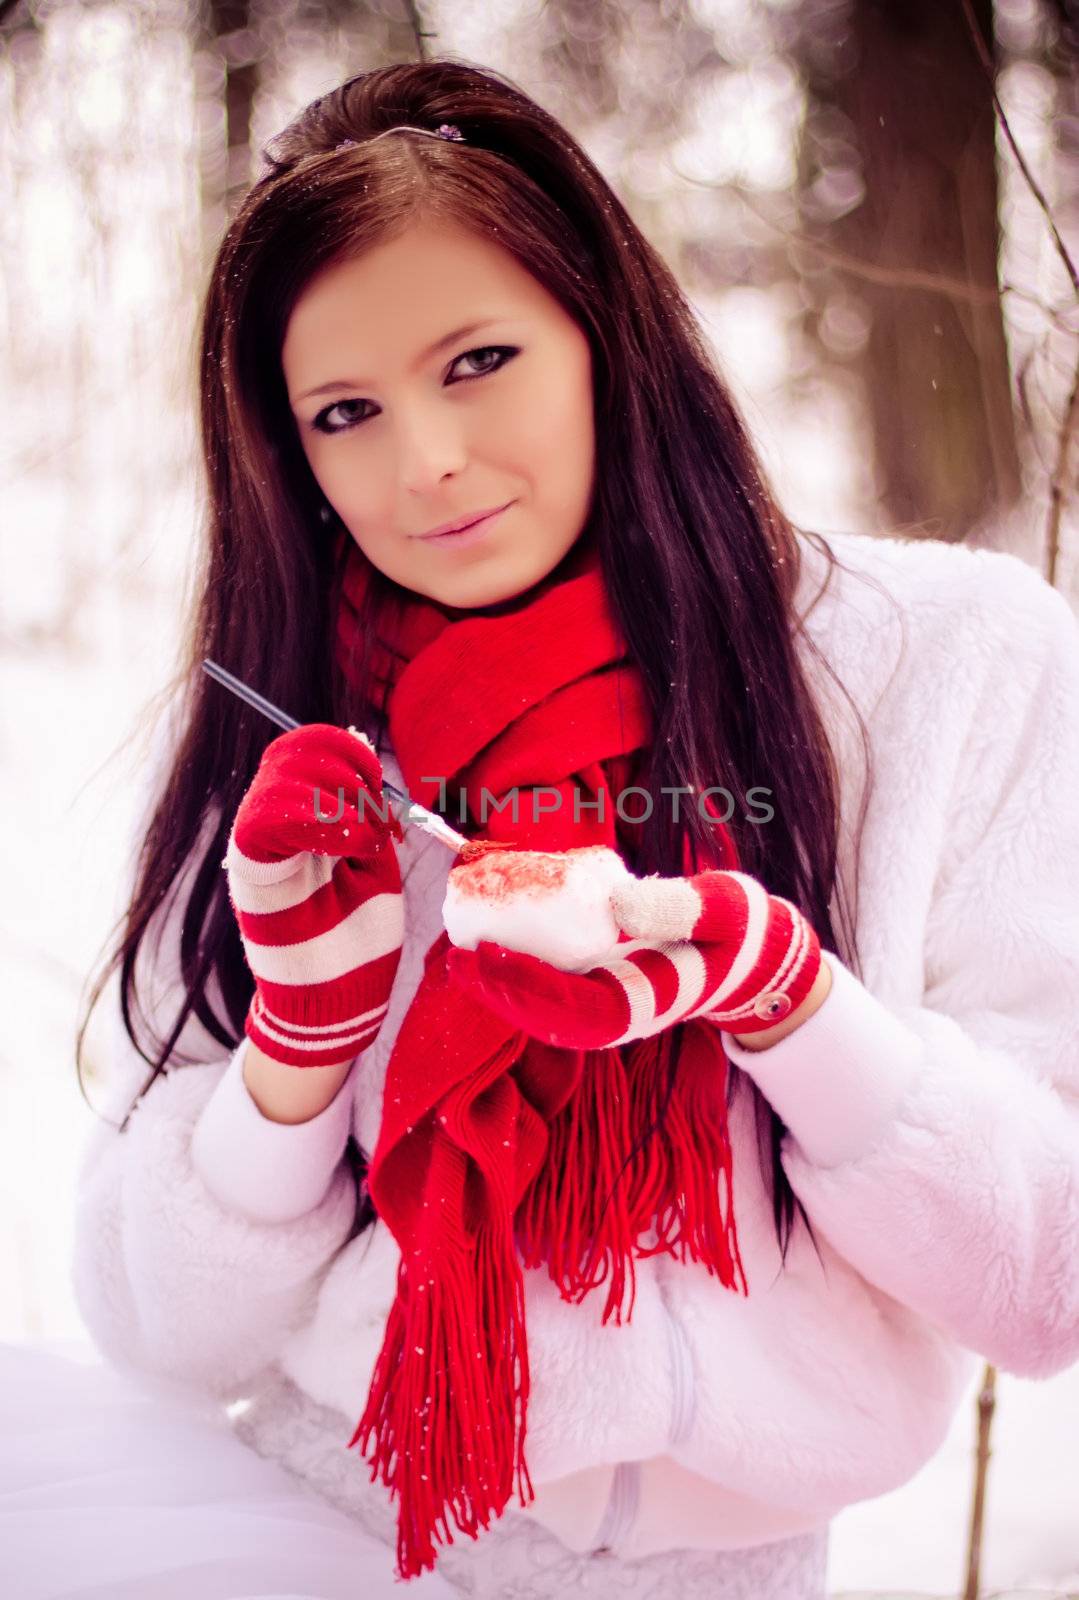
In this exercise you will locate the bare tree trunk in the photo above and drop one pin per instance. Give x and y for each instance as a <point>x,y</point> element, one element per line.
<point>1062,58</point>
<point>229,52</point>
<point>907,77</point>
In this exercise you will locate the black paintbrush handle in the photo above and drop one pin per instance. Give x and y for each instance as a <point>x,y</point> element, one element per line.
<point>429,821</point>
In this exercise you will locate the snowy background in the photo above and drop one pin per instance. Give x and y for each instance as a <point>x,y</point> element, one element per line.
<point>106,236</point>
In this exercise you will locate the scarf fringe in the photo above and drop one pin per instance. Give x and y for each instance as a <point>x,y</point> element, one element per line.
<point>672,1184</point>
<point>694,1222</point>
<point>561,1221</point>
<point>444,1441</point>
<point>647,1068</point>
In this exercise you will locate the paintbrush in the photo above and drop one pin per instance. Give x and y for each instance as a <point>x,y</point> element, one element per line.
<point>429,821</point>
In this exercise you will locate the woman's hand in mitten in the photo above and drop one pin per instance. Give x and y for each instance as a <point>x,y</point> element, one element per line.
<point>318,902</point>
<point>713,945</point>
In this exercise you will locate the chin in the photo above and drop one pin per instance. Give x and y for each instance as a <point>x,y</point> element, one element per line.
<point>482,592</point>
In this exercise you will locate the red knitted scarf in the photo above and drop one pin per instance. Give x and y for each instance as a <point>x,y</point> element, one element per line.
<point>496,1150</point>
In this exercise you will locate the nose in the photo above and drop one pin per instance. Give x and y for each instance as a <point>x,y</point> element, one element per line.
<point>431,445</point>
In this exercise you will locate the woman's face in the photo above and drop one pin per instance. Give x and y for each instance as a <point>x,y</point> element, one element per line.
<point>411,417</point>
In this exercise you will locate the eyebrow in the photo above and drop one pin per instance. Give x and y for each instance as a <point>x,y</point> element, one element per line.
<point>432,349</point>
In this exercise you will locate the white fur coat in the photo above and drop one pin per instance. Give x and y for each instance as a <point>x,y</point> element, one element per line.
<point>933,1108</point>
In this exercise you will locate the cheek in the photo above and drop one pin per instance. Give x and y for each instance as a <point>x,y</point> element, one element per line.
<point>550,427</point>
<point>349,478</point>
<point>319,459</point>
<point>570,406</point>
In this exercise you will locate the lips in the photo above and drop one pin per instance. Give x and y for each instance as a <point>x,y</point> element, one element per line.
<point>462,522</point>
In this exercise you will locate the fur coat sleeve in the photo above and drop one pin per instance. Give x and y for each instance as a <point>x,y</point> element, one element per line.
<point>936,1145</point>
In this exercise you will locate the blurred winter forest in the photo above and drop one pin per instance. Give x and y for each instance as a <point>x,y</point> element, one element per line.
<point>874,209</point>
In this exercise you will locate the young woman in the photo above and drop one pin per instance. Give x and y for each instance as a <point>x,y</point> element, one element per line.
<point>624,1279</point>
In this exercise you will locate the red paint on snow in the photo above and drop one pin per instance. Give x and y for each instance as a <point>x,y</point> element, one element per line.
<point>497,879</point>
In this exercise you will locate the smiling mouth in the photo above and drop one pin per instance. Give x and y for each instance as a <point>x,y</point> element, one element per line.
<point>463,527</point>
<point>470,531</point>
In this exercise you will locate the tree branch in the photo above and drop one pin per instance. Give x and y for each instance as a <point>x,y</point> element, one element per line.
<point>1059,476</point>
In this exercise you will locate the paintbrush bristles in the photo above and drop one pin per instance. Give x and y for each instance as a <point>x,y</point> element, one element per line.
<point>473,848</point>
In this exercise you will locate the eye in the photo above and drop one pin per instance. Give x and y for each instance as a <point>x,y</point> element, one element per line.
<point>322,424</point>
<point>504,352</point>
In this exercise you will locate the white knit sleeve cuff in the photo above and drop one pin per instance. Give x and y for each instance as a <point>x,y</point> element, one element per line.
<point>838,1079</point>
<point>268,1171</point>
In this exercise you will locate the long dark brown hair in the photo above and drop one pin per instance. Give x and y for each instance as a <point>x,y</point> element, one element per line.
<point>700,563</point>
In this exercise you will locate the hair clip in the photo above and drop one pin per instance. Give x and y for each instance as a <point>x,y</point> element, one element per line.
<point>445,130</point>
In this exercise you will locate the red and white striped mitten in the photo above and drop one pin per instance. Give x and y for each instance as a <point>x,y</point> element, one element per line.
<point>318,902</point>
<point>713,945</point>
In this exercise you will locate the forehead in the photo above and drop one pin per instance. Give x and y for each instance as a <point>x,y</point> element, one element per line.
<point>372,315</point>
